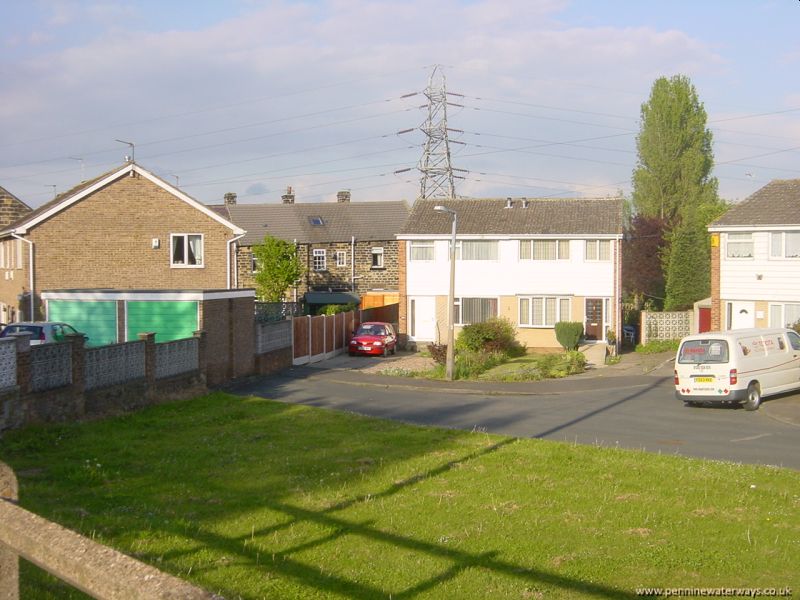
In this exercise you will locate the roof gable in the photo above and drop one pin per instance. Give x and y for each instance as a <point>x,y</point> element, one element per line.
<point>536,216</point>
<point>777,203</point>
<point>78,193</point>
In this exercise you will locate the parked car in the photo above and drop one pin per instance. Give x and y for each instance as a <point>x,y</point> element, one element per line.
<point>373,338</point>
<point>42,332</point>
<point>741,366</point>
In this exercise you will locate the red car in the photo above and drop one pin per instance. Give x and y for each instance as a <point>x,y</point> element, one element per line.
<point>374,338</point>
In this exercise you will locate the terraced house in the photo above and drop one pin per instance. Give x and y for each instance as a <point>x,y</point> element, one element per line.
<point>348,248</point>
<point>532,261</point>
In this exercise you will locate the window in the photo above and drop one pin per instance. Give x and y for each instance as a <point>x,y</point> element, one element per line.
<point>421,250</point>
<point>476,250</point>
<point>19,254</point>
<point>316,221</point>
<point>341,258</point>
<point>319,259</point>
<point>544,249</point>
<point>187,250</point>
<point>740,245</point>
<point>783,315</point>
<point>543,311</point>
<point>598,249</point>
<point>794,340</point>
<point>784,244</point>
<point>253,263</point>
<point>474,310</point>
<point>377,258</point>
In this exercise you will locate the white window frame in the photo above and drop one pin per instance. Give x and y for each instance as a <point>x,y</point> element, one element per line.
<point>776,320</point>
<point>740,239</point>
<point>253,263</point>
<point>459,313</point>
<point>341,258</point>
<point>597,245</point>
<point>19,254</point>
<point>780,238</point>
<point>562,249</point>
<point>186,237</point>
<point>541,322</point>
<point>377,253</point>
<point>421,245</point>
<point>461,243</point>
<point>319,260</point>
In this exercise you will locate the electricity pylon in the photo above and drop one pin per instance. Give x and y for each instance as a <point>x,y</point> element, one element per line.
<point>435,166</point>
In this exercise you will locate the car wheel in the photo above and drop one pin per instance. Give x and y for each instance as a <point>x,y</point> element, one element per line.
<point>692,404</point>
<point>753,397</point>
<point>385,351</point>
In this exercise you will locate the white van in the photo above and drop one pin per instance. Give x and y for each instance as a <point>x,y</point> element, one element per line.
<point>740,366</point>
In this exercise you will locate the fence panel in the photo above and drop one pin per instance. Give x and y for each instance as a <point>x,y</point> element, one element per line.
<point>176,357</point>
<point>51,366</point>
<point>273,336</point>
<point>338,330</point>
<point>317,333</point>
<point>330,334</point>
<point>8,363</point>
<point>300,336</point>
<point>114,364</point>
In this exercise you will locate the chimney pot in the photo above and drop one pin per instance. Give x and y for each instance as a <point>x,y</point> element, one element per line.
<point>230,199</point>
<point>288,197</point>
<point>343,196</point>
<point>509,203</point>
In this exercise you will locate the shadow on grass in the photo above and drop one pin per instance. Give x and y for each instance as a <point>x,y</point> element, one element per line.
<point>310,576</point>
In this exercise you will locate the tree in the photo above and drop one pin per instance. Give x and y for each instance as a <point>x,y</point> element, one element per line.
<point>675,153</point>
<point>641,259</point>
<point>279,267</point>
<point>672,182</point>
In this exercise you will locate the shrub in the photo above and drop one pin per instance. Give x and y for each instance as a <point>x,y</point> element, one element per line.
<point>494,335</point>
<point>438,353</point>
<point>569,334</point>
<point>656,346</point>
<point>468,365</point>
<point>335,309</point>
<point>560,365</point>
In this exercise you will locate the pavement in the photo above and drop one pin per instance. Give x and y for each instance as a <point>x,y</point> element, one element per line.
<point>632,369</point>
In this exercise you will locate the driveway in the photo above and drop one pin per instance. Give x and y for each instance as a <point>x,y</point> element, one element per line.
<point>610,408</point>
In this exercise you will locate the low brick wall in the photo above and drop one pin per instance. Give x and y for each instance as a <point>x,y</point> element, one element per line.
<point>274,362</point>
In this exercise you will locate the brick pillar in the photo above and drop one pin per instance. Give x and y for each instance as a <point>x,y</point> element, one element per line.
<point>9,561</point>
<point>201,353</point>
<point>149,339</point>
<point>716,304</point>
<point>78,343</point>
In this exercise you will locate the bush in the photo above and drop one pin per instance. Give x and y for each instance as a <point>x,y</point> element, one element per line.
<point>468,365</point>
<point>569,334</point>
<point>335,309</point>
<point>494,335</point>
<point>658,346</point>
<point>553,366</point>
<point>438,353</point>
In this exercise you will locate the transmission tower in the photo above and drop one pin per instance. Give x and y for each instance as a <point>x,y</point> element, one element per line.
<point>435,166</point>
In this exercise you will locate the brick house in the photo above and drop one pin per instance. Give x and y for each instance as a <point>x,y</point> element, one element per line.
<point>126,229</point>
<point>532,261</point>
<point>755,260</point>
<point>348,249</point>
<point>11,208</point>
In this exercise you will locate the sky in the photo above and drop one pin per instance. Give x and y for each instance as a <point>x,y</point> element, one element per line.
<point>252,97</point>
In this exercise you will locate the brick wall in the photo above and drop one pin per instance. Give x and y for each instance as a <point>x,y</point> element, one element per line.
<point>230,339</point>
<point>105,241</point>
<point>11,208</point>
<point>716,306</point>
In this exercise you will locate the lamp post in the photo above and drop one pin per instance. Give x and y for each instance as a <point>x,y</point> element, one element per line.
<point>451,293</point>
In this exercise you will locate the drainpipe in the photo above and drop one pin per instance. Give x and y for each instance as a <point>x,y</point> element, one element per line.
<point>32,315</point>
<point>229,242</point>
<point>352,263</point>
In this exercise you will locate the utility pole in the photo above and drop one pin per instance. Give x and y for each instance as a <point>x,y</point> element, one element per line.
<point>437,171</point>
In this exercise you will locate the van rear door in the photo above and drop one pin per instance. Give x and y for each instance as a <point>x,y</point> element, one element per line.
<point>705,366</point>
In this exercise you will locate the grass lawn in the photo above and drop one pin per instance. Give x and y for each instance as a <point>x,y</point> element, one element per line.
<point>257,499</point>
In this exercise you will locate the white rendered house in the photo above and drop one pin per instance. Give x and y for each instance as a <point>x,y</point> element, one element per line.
<point>755,260</point>
<point>532,261</point>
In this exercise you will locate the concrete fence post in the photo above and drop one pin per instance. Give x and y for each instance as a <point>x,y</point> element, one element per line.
<point>149,339</point>
<point>9,561</point>
<point>201,352</point>
<point>78,343</point>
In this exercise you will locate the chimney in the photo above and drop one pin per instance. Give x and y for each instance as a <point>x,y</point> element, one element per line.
<point>230,199</point>
<point>524,203</point>
<point>343,196</point>
<point>509,203</point>
<point>288,197</point>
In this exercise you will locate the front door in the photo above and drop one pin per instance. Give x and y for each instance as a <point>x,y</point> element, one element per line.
<point>422,318</point>
<point>594,319</point>
<point>741,315</point>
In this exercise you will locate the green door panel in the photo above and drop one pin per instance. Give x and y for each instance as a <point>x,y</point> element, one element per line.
<point>95,318</point>
<point>169,320</point>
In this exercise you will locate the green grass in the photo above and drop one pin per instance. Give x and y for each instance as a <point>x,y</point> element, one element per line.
<point>656,346</point>
<point>257,499</point>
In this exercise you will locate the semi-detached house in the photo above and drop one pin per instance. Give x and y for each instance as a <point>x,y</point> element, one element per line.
<point>533,261</point>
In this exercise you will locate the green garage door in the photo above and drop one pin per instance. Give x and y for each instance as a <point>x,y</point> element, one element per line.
<point>95,318</point>
<point>169,320</point>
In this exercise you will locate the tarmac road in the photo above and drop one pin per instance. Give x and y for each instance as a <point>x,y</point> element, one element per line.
<point>631,411</point>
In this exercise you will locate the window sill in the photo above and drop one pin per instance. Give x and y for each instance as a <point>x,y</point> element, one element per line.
<point>377,268</point>
<point>173,266</point>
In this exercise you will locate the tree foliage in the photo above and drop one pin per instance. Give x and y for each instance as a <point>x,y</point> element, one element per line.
<point>279,267</point>
<point>641,258</point>
<point>672,183</point>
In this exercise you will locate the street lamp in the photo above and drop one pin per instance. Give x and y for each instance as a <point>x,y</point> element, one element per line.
<point>451,293</point>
